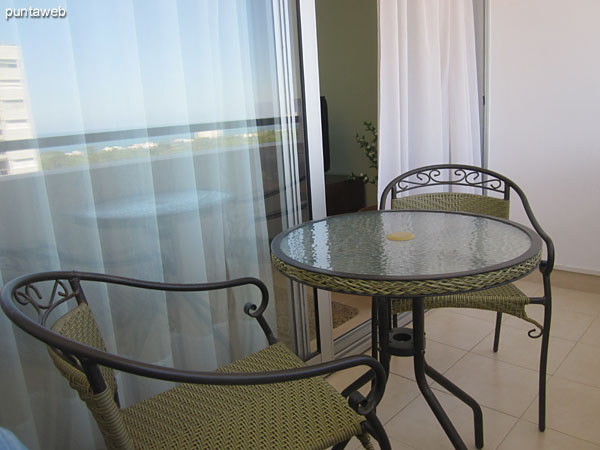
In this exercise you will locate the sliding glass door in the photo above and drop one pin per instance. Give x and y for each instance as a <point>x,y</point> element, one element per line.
<point>154,140</point>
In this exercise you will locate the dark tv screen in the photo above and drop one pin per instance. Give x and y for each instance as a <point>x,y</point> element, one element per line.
<point>325,133</point>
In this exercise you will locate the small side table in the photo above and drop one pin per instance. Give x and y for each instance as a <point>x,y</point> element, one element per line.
<point>343,195</point>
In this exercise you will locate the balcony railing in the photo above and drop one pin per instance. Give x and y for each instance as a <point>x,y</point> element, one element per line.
<point>139,133</point>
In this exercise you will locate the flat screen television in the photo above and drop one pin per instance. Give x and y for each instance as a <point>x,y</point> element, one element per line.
<point>325,133</point>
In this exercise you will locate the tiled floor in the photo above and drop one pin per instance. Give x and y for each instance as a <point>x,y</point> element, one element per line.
<point>459,344</point>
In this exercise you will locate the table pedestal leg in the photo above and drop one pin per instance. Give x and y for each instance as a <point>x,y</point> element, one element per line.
<point>419,365</point>
<point>374,322</point>
<point>381,319</point>
<point>458,392</point>
<point>383,324</point>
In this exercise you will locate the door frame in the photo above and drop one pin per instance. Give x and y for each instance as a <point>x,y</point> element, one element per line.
<point>309,69</point>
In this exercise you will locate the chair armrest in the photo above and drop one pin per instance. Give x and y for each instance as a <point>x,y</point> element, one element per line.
<point>249,308</point>
<point>547,265</point>
<point>89,356</point>
<point>60,294</point>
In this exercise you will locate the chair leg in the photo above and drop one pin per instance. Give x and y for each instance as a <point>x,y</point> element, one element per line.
<point>543,367</point>
<point>497,331</point>
<point>374,427</point>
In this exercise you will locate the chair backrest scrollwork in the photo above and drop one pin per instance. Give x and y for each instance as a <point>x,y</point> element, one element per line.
<point>490,194</point>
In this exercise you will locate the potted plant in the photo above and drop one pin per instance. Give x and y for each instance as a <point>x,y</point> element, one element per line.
<point>369,145</point>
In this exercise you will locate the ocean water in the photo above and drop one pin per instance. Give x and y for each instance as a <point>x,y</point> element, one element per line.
<point>149,141</point>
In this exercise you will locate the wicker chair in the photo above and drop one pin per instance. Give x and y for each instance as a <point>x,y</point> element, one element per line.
<point>270,399</point>
<point>492,198</point>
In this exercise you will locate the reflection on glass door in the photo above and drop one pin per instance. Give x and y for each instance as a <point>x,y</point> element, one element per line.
<point>152,140</point>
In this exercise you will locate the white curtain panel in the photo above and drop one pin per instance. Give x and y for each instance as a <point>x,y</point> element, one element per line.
<point>428,101</point>
<point>194,212</point>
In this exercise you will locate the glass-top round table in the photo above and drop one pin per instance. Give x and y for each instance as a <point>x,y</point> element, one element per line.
<point>437,252</point>
<point>386,254</point>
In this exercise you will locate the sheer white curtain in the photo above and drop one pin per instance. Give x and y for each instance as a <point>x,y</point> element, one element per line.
<point>136,184</point>
<point>428,102</point>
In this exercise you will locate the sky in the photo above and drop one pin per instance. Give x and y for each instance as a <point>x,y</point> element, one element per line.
<point>120,64</point>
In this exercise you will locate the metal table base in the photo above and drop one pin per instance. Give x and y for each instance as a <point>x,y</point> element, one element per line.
<point>413,344</point>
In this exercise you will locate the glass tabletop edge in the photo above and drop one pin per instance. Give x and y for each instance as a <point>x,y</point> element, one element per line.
<point>532,252</point>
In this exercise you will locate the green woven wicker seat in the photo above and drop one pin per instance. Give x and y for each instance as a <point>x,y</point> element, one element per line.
<point>268,400</point>
<point>507,299</point>
<point>441,188</point>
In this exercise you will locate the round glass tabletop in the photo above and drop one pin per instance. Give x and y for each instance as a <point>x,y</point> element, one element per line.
<point>406,245</point>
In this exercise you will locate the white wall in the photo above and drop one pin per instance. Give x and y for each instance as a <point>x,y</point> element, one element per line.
<point>544,117</point>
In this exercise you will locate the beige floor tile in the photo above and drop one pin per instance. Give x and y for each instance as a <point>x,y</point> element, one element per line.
<point>572,408</point>
<point>342,379</point>
<point>525,435</point>
<point>495,384</point>
<point>505,384</point>
<point>565,323</point>
<point>577,301</point>
<point>439,356</point>
<point>592,334</point>
<point>456,330</point>
<point>519,349</point>
<point>354,444</point>
<point>488,316</point>
<point>582,365</point>
<point>417,426</point>
<point>399,391</point>
<point>531,287</point>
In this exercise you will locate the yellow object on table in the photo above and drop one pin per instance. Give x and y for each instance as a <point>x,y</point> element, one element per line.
<point>401,236</point>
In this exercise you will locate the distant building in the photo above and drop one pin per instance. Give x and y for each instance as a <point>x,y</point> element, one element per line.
<point>15,118</point>
<point>209,134</point>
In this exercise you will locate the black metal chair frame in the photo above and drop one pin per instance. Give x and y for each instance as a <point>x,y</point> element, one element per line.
<point>66,285</point>
<point>488,182</point>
